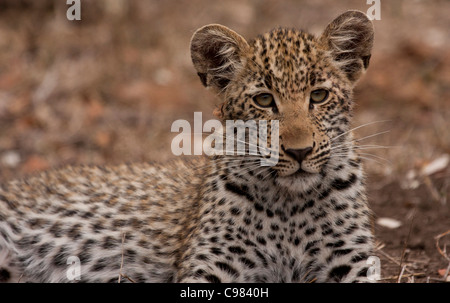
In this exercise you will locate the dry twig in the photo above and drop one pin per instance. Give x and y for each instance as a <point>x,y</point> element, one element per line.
<point>404,276</point>
<point>406,242</point>
<point>121,274</point>
<point>401,274</point>
<point>443,252</point>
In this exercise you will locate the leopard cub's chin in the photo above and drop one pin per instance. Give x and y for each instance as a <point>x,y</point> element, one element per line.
<point>300,181</point>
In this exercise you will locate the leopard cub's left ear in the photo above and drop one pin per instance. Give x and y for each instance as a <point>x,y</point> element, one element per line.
<point>349,39</point>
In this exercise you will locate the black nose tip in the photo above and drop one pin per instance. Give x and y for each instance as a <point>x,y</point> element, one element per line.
<point>299,154</point>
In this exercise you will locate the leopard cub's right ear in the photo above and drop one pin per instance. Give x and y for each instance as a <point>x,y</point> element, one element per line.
<point>217,53</point>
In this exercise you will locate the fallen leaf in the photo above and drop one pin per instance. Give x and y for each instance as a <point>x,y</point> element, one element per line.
<point>442,273</point>
<point>436,165</point>
<point>20,105</point>
<point>10,158</point>
<point>95,110</point>
<point>389,223</point>
<point>103,139</point>
<point>410,181</point>
<point>35,163</point>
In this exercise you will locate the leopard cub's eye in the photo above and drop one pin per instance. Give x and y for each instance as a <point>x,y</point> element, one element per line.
<point>264,100</point>
<point>319,96</point>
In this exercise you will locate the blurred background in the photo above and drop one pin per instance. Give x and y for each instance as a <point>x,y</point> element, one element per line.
<point>106,89</point>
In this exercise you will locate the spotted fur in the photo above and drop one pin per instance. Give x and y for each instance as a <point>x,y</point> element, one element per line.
<point>225,218</point>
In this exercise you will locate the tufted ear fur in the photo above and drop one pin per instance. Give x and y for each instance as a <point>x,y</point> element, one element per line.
<point>349,39</point>
<point>217,53</point>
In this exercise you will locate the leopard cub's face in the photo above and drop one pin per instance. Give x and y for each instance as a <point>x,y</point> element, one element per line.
<point>303,82</point>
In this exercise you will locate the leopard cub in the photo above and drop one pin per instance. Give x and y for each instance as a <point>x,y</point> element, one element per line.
<point>223,218</point>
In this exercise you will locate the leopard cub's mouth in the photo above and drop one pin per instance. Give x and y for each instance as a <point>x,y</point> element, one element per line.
<point>300,172</point>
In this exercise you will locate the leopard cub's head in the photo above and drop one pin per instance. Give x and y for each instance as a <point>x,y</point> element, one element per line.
<point>303,82</point>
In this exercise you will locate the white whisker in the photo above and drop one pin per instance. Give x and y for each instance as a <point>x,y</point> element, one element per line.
<point>358,127</point>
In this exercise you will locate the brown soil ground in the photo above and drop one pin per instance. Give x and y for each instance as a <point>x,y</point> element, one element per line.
<point>106,89</point>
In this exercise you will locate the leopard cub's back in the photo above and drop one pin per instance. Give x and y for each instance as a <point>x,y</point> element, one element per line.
<point>98,214</point>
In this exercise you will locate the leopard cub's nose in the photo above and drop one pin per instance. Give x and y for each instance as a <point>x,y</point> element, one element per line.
<point>299,154</point>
